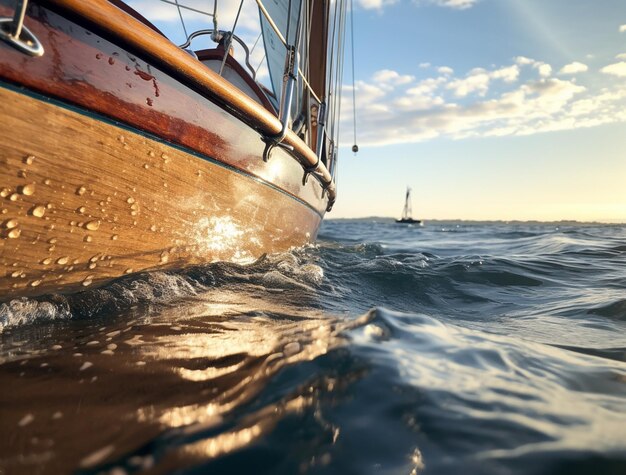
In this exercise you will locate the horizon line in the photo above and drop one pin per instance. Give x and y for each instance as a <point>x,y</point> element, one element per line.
<point>423,220</point>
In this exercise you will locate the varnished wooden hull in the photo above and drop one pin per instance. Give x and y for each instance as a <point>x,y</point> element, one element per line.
<point>85,201</point>
<point>110,166</point>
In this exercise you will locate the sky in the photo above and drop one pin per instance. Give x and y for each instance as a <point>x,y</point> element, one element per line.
<point>487,109</point>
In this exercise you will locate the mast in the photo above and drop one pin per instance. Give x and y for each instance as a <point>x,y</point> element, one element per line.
<point>318,43</point>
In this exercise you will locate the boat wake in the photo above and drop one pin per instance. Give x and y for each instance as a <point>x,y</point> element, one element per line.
<point>271,273</point>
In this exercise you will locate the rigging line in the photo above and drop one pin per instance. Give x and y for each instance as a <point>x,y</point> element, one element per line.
<point>287,37</point>
<point>334,48</point>
<point>175,2</point>
<point>180,14</point>
<point>310,8</point>
<point>339,80</point>
<point>340,64</point>
<point>216,35</point>
<point>230,38</point>
<point>255,43</point>
<point>260,63</point>
<point>355,147</point>
<point>288,20</point>
<point>300,34</point>
<point>306,83</point>
<point>305,46</point>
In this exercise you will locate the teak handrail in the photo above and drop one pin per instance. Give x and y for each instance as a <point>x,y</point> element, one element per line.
<point>144,40</point>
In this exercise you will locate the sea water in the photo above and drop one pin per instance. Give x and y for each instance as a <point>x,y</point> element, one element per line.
<point>382,349</point>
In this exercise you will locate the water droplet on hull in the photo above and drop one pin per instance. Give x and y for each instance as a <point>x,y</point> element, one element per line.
<point>28,190</point>
<point>38,211</point>
<point>11,223</point>
<point>92,225</point>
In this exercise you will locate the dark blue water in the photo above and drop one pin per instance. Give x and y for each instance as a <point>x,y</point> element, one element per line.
<point>384,349</point>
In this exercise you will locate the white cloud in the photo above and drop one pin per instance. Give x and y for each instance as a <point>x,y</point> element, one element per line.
<point>458,4</point>
<point>477,81</point>
<point>375,4</point>
<point>574,68</point>
<point>550,94</point>
<point>368,93</point>
<point>445,70</point>
<point>621,56</point>
<point>622,29</point>
<point>468,106</point>
<point>427,86</point>
<point>418,102</point>
<point>524,61</point>
<point>508,74</point>
<point>425,65</point>
<point>544,69</point>
<point>616,69</point>
<point>387,76</point>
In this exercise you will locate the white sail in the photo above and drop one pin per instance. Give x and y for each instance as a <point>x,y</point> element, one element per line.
<point>285,15</point>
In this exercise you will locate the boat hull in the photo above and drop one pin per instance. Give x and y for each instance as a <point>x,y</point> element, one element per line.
<point>85,200</point>
<point>114,162</point>
<point>408,221</point>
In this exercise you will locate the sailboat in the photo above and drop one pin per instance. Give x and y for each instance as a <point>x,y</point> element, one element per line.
<point>123,152</point>
<point>407,212</point>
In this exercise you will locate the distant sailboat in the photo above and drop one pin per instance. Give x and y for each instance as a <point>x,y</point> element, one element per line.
<point>407,211</point>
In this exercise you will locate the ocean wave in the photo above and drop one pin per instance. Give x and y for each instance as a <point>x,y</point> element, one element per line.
<point>277,272</point>
<point>615,310</point>
<point>378,350</point>
<point>394,392</point>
